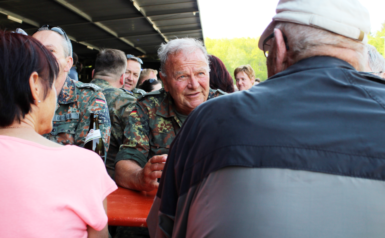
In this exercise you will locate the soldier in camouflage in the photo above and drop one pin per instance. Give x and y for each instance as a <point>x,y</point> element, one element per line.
<point>110,66</point>
<point>76,100</point>
<point>158,116</point>
<point>132,73</point>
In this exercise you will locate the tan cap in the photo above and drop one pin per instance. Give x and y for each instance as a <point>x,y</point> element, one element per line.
<point>344,17</point>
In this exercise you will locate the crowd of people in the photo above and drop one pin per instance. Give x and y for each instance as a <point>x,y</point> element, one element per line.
<point>299,155</point>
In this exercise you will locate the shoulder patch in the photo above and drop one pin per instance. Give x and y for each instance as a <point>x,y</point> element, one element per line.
<point>88,85</point>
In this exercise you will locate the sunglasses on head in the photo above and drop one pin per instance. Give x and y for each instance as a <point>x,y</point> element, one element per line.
<point>129,56</point>
<point>60,31</point>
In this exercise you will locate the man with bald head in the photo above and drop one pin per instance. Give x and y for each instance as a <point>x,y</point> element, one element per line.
<point>76,100</point>
<point>299,155</point>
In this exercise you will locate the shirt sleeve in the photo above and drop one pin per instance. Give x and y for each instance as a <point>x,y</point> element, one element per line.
<point>136,143</point>
<point>94,102</point>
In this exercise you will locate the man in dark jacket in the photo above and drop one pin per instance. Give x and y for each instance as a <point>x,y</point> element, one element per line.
<point>300,155</point>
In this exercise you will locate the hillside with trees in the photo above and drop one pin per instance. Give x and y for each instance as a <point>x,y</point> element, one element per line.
<point>239,51</point>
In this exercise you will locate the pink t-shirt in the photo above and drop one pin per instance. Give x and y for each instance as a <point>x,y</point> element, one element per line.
<point>50,192</point>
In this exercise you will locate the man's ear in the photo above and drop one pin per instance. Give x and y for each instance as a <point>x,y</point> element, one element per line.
<point>281,56</point>
<point>121,79</point>
<point>36,90</point>
<point>69,63</point>
<point>164,80</point>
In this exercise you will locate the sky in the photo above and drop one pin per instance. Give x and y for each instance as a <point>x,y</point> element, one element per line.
<point>249,18</point>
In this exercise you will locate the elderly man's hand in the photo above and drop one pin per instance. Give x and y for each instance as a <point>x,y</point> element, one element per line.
<point>152,171</point>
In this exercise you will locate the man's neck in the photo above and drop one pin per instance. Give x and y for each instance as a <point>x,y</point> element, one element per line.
<point>112,81</point>
<point>62,79</point>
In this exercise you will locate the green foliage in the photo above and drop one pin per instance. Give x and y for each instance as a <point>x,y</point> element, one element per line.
<point>239,51</point>
<point>378,40</point>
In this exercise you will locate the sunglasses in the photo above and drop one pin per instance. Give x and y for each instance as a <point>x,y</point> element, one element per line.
<point>60,31</point>
<point>134,58</point>
<point>20,31</point>
<point>152,80</point>
<point>266,47</point>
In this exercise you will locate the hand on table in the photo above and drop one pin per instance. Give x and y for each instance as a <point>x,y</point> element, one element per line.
<point>152,171</point>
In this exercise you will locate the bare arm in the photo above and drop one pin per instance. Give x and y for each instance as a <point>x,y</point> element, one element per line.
<point>130,175</point>
<point>92,233</point>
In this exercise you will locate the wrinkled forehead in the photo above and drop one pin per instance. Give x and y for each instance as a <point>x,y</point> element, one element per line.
<point>182,59</point>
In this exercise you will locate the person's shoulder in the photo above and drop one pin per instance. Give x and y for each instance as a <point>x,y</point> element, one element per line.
<point>153,98</point>
<point>139,91</point>
<point>216,93</point>
<point>87,86</point>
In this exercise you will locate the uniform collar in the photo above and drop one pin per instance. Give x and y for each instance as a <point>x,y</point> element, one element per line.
<point>101,83</point>
<point>68,92</point>
<point>316,62</point>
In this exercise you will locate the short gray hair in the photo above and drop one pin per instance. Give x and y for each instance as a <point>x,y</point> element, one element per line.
<point>186,45</point>
<point>376,61</point>
<point>304,41</point>
<point>66,47</point>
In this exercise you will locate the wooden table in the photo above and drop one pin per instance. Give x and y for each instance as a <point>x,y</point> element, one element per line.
<point>129,208</point>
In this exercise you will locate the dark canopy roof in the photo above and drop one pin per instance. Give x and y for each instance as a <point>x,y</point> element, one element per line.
<point>137,27</point>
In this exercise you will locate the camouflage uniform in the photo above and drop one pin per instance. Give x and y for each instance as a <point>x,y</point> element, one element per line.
<point>117,101</point>
<point>153,125</point>
<point>136,92</point>
<point>71,122</point>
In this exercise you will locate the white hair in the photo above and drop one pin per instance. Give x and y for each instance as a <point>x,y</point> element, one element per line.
<point>304,41</point>
<point>376,61</point>
<point>185,45</point>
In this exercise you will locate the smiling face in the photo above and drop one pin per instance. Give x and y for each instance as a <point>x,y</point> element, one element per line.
<point>243,81</point>
<point>54,43</point>
<point>132,74</point>
<point>187,81</point>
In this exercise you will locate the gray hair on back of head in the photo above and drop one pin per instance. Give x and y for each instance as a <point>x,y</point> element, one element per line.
<point>185,45</point>
<point>376,61</point>
<point>304,41</point>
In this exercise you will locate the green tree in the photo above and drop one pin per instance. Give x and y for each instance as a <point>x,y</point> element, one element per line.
<point>239,51</point>
<point>378,40</point>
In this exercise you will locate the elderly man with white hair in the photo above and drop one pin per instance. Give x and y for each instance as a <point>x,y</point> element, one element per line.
<point>299,155</point>
<point>158,116</point>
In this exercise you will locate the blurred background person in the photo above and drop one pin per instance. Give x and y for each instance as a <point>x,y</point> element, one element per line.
<point>151,85</point>
<point>73,74</point>
<point>220,78</point>
<point>133,71</point>
<point>244,77</point>
<point>47,189</point>
<point>376,62</point>
<point>147,74</point>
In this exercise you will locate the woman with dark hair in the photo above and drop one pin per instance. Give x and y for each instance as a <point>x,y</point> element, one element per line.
<point>150,85</point>
<point>220,78</point>
<point>47,190</point>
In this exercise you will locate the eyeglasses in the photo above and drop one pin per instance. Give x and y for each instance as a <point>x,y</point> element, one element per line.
<point>61,32</point>
<point>266,47</point>
<point>20,31</point>
<point>152,80</point>
<point>129,56</point>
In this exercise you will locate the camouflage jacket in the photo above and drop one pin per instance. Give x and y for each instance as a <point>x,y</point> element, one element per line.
<point>71,122</point>
<point>136,92</point>
<point>117,100</point>
<point>153,125</point>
